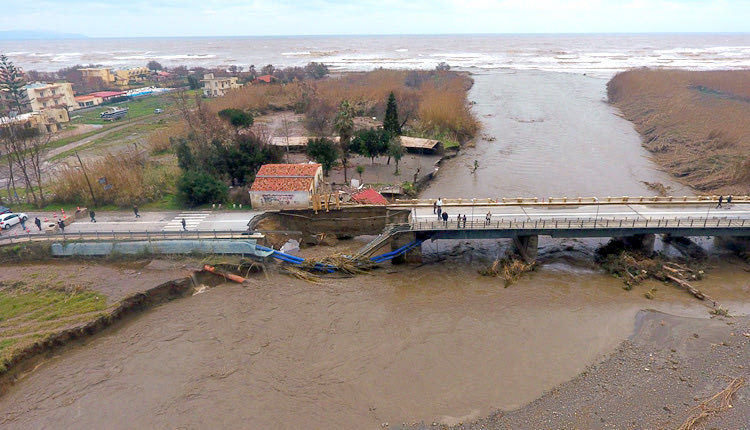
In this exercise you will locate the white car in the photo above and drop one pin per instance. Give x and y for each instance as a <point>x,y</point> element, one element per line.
<point>8,220</point>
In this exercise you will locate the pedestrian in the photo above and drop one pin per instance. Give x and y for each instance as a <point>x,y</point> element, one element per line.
<point>439,207</point>
<point>434,207</point>
<point>184,227</point>
<point>61,224</point>
<point>135,211</point>
<point>445,218</point>
<point>38,223</point>
<point>92,214</point>
<point>464,220</point>
<point>721,199</point>
<point>488,218</point>
<point>729,200</point>
<point>23,224</point>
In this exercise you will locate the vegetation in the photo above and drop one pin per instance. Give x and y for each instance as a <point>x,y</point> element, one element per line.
<point>390,122</point>
<point>371,142</point>
<point>344,125</point>
<point>324,151</point>
<point>695,123</point>
<point>29,312</point>
<point>198,187</point>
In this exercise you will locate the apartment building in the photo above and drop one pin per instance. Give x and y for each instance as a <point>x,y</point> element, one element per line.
<point>217,87</point>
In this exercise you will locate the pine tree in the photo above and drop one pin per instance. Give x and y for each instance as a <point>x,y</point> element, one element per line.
<point>12,84</point>
<point>390,122</point>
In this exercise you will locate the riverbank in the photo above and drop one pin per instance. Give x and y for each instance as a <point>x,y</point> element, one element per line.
<point>662,377</point>
<point>694,123</point>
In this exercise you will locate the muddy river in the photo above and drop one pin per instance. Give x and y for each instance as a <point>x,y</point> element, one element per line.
<point>434,343</point>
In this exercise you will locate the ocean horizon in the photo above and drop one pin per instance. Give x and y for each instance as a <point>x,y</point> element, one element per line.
<point>597,53</point>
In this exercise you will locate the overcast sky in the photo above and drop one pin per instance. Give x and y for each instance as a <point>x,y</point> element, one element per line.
<point>134,18</point>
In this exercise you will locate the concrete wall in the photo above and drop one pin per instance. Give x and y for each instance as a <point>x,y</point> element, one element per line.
<point>280,199</point>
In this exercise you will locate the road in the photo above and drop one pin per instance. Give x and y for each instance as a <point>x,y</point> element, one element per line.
<point>148,221</point>
<point>236,220</point>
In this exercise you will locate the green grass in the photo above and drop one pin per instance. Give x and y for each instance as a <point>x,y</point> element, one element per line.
<point>137,108</point>
<point>30,312</point>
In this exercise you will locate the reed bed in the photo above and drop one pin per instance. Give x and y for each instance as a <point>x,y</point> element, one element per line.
<point>696,124</point>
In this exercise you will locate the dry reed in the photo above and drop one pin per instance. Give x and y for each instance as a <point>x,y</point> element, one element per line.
<point>697,124</point>
<point>720,402</point>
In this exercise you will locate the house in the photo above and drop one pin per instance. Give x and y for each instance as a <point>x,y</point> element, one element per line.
<point>88,101</point>
<point>421,146</point>
<point>108,95</point>
<point>136,74</point>
<point>369,196</point>
<point>43,96</point>
<point>296,143</point>
<point>285,186</point>
<point>265,79</point>
<point>46,121</point>
<point>217,87</point>
<point>93,74</point>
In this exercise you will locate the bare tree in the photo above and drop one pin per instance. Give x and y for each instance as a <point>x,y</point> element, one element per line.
<point>25,146</point>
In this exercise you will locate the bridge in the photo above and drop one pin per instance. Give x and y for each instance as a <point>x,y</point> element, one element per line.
<point>637,220</point>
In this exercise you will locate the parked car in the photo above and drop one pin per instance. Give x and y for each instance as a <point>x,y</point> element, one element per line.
<point>4,210</point>
<point>8,220</point>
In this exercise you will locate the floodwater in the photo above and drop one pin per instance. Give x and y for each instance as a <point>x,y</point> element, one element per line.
<point>435,343</point>
<point>548,135</point>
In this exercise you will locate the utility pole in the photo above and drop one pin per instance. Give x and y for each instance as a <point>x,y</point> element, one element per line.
<point>87,179</point>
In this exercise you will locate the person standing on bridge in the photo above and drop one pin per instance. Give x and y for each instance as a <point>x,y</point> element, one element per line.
<point>434,207</point>
<point>439,204</point>
<point>184,226</point>
<point>729,200</point>
<point>445,218</point>
<point>721,199</point>
<point>464,220</point>
<point>488,218</point>
<point>458,221</point>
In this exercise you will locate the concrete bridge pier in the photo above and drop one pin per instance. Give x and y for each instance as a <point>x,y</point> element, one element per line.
<point>527,247</point>
<point>640,242</point>
<point>413,257</point>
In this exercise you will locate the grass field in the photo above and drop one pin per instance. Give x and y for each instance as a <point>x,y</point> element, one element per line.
<point>29,311</point>
<point>137,108</point>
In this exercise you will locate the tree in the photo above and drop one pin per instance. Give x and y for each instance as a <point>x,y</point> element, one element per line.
<point>154,65</point>
<point>12,86</point>
<point>396,151</point>
<point>197,188</point>
<point>268,69</point>
<point>360,171</point>
<point>25,146</point>
<point>316,70</point>
<point>237,117</point>
<point>390,122</point>
<point>193,82</point>
<point>324,151</point>
<point>371,143</point>
<point>344,125</point>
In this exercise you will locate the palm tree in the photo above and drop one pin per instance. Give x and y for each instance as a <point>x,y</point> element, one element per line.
<point>344,125</point>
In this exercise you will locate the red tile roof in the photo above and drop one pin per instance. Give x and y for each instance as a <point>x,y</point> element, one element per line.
<point>106,94</point>
<point>82,98</point>
<point>307,169</point>
<point>265,78</point>
<point>369,197</point>
<point>285,177</point>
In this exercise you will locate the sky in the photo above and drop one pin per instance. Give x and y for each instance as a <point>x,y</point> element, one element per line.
<point>152,18</point>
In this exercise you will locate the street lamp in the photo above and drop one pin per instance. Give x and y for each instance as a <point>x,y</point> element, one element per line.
<point>473,200</point>
<point>597,211</point>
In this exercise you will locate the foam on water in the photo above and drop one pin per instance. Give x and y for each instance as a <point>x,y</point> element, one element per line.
<point>603,53</point>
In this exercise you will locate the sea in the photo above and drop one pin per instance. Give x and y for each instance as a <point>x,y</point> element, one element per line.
<point>602,54</point>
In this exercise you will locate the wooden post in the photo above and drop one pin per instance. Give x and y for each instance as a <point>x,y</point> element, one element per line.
<point>87,179</point>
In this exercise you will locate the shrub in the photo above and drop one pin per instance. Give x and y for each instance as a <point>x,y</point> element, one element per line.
<point>197,188</point>
<point>324,151</point>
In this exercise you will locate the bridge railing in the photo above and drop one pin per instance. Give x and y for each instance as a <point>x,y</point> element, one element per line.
<point>122,235</point>
<point>582,223</point>
<point>561,201</point>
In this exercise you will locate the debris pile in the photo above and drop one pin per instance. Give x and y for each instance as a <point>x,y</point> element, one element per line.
<point>509,268</point>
